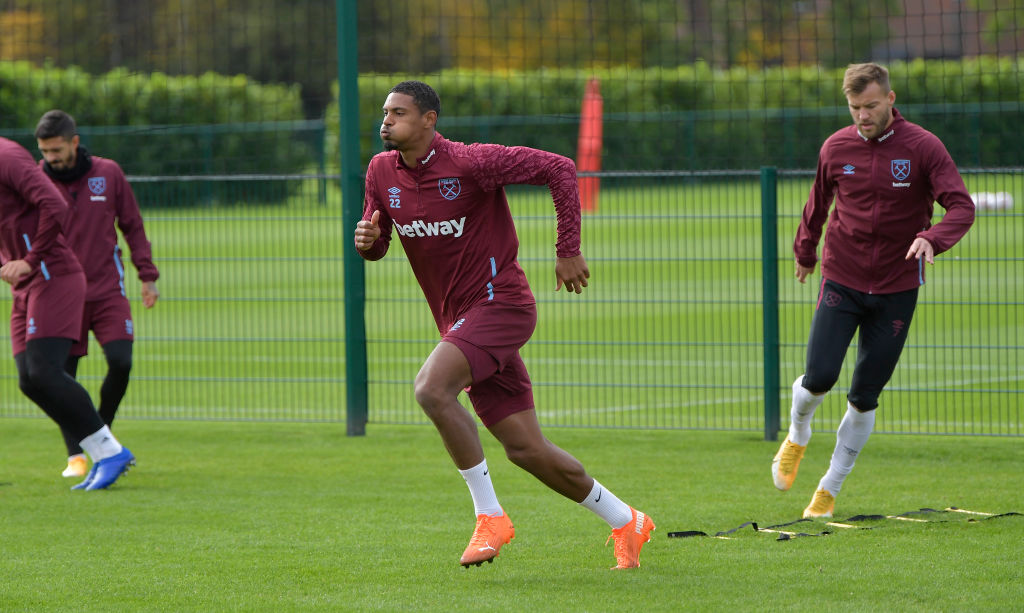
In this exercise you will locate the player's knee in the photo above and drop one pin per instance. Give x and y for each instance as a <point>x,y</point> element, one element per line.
<point>862,400</point>
<point>523,456</point>
<point>430,396</point>
<point>119,357</point>
<point>39,373</point>
<point>819,383</point>
<point>26,385</point>
<point>119,365</point>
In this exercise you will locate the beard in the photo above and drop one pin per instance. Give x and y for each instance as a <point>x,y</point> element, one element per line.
<point>390,145</point>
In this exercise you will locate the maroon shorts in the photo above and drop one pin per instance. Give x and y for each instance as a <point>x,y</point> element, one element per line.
<point>490,337</point>
<point>110,319</point>
<point>47,309</point>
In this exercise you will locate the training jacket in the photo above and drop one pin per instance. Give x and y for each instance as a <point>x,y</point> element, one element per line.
<point>32,213</point>
<point>885,189</point>
<point>99,199</point>
<point>453,219</point>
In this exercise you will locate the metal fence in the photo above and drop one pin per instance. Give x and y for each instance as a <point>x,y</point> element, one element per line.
<point>244,199</point>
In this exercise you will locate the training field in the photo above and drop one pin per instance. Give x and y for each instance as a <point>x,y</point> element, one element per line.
<point>249,496</point>
<point>299,517</point>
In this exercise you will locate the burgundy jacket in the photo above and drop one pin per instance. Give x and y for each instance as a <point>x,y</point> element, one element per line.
<point>884,189</point>
<point>454,222</point>
<point>32,214</point>
<point>99,199</point>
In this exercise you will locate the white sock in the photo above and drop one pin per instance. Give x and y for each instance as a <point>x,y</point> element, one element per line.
<point>608,506</point>
<point>853,433</point>
<point>804,405</point>
<point>101,444</point>
<point>485,500</point>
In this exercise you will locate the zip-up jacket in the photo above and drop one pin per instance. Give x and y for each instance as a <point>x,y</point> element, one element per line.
<point>32,214</point>
<point>884,189</point>
<point>99,199</point>
<point>454,222</point>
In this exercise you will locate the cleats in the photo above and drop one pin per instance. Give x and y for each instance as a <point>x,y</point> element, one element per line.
<point>488,537</point>
<point>821,506</point>
<point>786,463</point>
<point>78,466</point>
<point>630,538</point>
<point>106,471</point>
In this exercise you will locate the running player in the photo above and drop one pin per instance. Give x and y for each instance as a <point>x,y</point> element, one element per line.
<point>48,287</point>
<point>447,202</point>
<point>885,174</point>
<point>99,196</point>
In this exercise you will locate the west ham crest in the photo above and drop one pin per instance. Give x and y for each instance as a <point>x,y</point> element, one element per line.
<point>97,185</point>
<point>450,188</point>
<point>900,169</point>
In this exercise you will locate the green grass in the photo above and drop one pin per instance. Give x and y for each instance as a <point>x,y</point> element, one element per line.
<point>299,517</point>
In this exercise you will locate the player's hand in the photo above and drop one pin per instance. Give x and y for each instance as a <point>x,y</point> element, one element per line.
<point>920,247</point>
<point>149,294</point>
<point>573,273</point>
<point>14,270</point>
<point>367,232</point>
<point>802,272</point>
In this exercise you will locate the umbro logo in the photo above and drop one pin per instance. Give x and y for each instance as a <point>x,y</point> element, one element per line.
<point>848,169</point>
<point>394,199</point>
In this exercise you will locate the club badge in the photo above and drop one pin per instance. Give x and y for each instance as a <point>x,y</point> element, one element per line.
<point>450,188</point>
<point>900,169</point>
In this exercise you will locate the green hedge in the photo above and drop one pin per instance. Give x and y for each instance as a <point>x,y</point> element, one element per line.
<point>696,117</point>
<point>156,124</point>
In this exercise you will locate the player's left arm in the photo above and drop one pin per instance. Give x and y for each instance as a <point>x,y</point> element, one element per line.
<point>129,221</point>
<point>949,191</point>
<point>496,166</point>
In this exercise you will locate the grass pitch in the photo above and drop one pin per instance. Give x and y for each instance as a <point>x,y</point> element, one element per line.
<point>256,513</point>
<point>299,517</point>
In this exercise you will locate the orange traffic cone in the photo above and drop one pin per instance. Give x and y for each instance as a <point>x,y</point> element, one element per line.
<point>588,155</point>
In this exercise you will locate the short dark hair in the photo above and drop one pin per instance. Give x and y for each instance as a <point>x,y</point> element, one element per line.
<point>423,95</point>
<point>56,123</point>
<point>859,76</point>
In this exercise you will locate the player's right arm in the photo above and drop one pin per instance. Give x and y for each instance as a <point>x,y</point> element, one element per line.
<point>802,272</point>
<point>367,232</point>
<point>808,233</point>
<point>373,231</point>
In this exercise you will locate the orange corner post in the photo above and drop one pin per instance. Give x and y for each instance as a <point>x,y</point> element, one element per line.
<point>588,155</point>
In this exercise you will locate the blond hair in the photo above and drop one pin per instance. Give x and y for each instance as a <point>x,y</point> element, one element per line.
<point>859,76</point>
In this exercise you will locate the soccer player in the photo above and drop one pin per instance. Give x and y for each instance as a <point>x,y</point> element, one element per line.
<point>48,287</point>
<point>447,202</point>
<point>99,196</point>
<point>885,174</point>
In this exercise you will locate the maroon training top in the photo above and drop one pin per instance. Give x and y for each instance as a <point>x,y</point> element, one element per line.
<point>454,221</point>
<point>98,199</point>
<point>885,189</point>
<point>32,214</point>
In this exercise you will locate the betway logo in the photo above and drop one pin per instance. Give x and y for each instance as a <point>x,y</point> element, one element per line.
<point>419,227</point>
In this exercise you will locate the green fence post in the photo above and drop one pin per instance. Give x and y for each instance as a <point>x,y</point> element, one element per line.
<point>351,211</point>
<point>770,300</point>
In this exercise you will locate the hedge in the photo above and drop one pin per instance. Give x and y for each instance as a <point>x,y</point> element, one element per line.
<point>697,117</point>
<point>157,124</point>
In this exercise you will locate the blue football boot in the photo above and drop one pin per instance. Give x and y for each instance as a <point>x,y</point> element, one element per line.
<point>105,472</point>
